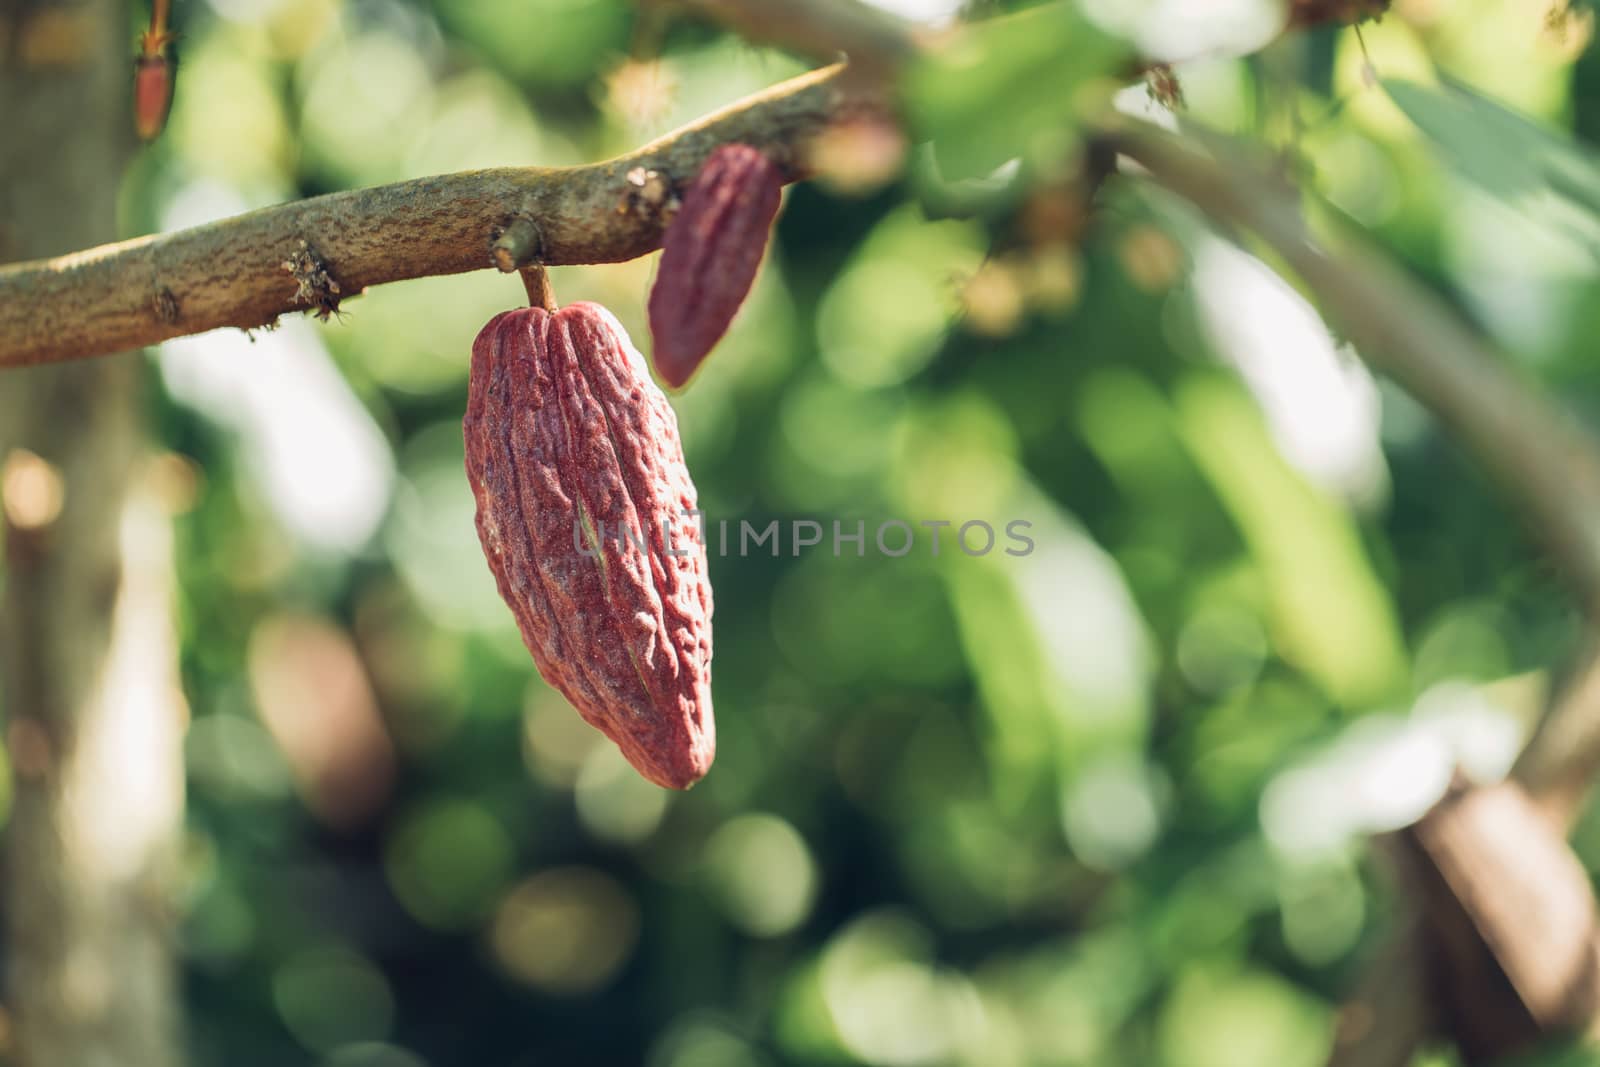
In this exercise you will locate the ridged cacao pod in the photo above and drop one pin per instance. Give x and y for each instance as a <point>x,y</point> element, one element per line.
<point>709,257</point>
<point>574,458</point>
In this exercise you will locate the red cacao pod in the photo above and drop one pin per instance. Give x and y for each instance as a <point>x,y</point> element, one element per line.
<point>709,257</point>
<point>574,458</point>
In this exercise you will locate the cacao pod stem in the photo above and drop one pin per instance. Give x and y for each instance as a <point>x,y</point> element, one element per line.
<point>537,282</point>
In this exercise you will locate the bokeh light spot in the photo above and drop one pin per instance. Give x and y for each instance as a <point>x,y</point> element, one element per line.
<point>31,489</point>
<point>698,1042</point>
<point>889,1005</point>
<point>447,861</point>
<point>762,873</point>
<point>330,996</point>
<point>614,802</point>
<point>565,931</point>
<point>1111,812</point>
<point>373,1054</point>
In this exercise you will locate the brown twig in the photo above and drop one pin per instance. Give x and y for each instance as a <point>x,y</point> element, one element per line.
<point>876,41</point>
<point>1312,12</point>
<point>1537,455</point>
<point>879,43</point>
<point>1534,451</point>
<point>536,280</point>
<point>233,272</point>
<point>241,271</point>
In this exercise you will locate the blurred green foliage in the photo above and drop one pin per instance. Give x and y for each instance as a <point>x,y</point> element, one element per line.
<point>1099,804</point>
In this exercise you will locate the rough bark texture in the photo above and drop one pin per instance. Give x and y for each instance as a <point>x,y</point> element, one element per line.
<point>240,271</point>
<point>248,270</point>
<point>86,649</point>
<point>586,513</point>
<point>709,257</point>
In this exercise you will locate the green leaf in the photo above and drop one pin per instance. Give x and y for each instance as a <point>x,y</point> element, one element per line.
<point>1333,617</point>
<point>1507,153</point>
<point>1012,87</point>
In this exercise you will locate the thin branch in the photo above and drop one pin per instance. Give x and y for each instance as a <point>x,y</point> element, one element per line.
<point>876,41</point>
<point>247,270</point>
<point>309,255</point>
<point>879,43</point>
<point>1538,456</point>
<point>1312,12</point>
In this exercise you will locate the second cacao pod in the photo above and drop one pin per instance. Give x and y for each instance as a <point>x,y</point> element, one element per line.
<point>709,257</point>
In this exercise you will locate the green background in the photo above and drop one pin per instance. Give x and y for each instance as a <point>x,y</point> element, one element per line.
<point>1102,804</point>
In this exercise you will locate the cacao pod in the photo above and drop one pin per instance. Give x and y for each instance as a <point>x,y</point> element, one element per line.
<point>574,458</point>
<point>709,257</point>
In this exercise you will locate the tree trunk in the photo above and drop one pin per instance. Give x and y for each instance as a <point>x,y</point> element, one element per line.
<point>87,676</point>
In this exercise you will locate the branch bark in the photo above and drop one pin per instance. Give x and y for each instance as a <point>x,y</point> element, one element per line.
<point>876,41</point>
<point>1539,458</point>
<point>308,255</point>
<point>248,270</point>
<point>1537,455</point>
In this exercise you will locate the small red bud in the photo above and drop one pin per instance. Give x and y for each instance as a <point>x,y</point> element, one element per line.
<point>152,94</point>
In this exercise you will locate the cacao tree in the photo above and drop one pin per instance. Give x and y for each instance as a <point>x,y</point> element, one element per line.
<point>1142,453</point>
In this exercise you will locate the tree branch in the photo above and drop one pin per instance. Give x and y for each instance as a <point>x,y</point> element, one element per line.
<point>876,41</point>
<point>1538,456</point>
<point>248,270</point>
<point>879,43</point>
<point>1312,12</point>
<point>308,255</point>
<point>1535,453</point>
